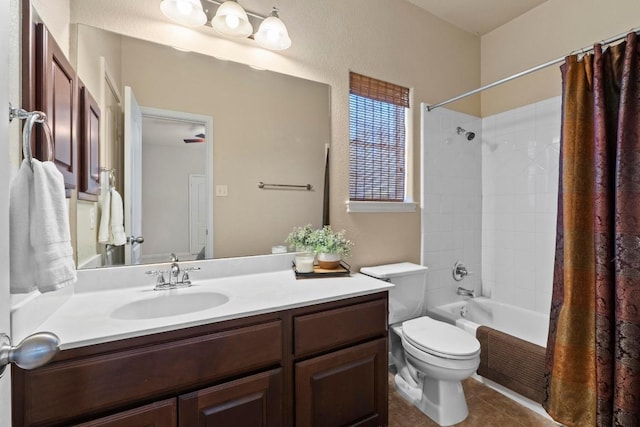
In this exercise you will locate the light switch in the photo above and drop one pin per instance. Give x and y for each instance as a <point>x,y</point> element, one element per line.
<point>221,190</point>
<point>92,218</point>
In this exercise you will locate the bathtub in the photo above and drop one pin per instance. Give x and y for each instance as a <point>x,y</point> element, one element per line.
<point>526,334</point>
<point>525,324</point>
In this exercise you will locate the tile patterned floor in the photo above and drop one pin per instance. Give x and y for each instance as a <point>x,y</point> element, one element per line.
<point>487,408</point>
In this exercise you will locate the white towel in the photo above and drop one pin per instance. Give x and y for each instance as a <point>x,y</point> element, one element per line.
<point>117,219</point>
<point>23,264</point>
<point>105,217</point>
<point>44,260</point>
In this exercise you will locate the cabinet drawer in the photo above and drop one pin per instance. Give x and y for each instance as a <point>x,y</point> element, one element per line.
<point>158,414</point>
<point>97,384</point>
<point>333,328</point>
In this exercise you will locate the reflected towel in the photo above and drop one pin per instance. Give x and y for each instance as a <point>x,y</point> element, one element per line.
<point>105,217</point>
<point>44,258</point>
<point>111,230</point>
<point>117,219</point>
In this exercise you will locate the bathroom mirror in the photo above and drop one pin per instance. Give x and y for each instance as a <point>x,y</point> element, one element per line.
<point>265,127</point>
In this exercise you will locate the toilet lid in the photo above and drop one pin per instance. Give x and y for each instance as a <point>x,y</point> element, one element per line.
<point>439,338</point>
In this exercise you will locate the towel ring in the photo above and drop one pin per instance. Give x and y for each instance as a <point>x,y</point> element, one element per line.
<point>31,118</point>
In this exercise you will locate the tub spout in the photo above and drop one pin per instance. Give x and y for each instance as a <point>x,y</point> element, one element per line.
<point>466,292</point>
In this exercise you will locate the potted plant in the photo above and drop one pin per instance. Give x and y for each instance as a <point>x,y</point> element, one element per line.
<point>330,246</point>
<point>300,239</point>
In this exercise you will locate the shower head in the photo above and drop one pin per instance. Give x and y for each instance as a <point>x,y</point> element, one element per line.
<point>468,135</point>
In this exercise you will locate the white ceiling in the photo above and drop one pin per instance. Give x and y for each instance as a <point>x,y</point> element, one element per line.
<point>477,16</point>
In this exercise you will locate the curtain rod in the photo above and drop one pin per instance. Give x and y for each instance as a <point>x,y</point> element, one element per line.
<point>530,70</point>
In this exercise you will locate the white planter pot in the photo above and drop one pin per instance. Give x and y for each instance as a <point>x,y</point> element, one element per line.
<point>329,261</point>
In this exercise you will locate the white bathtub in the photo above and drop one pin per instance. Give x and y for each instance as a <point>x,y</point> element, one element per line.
<point>525,324</point>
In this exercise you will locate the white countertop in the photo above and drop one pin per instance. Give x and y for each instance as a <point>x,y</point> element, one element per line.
<point>86,317</point>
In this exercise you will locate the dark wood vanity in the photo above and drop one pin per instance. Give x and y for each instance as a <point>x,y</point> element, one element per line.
<point>318,365</point>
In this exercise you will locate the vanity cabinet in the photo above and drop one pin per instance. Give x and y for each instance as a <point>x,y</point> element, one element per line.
<point>319,365</point>
<point>344,384</point>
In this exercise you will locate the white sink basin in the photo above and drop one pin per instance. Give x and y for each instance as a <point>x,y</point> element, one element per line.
<point>165,305</point>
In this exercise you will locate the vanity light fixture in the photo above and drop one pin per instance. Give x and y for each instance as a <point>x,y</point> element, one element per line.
<point>185,12</point>
<point>232,20</point>
<point>272,33</point>
<point>229,18</point>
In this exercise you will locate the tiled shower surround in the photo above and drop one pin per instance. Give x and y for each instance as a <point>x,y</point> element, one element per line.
<point>492,203</point>
<point>451,202</point>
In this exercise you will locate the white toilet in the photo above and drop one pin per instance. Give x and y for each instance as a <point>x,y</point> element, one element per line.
<point>431,357</point>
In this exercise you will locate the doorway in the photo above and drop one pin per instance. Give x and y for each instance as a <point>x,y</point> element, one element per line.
<point>176,146</point>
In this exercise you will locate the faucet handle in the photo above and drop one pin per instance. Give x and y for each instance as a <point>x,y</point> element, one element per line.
<point>460,271</point>
<point>185,275</point>
<point>174,257</point>
<point>160,277</point>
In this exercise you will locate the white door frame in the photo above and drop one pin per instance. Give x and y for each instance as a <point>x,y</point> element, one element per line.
<point>195,182</point>
<point>132,175</point>
<point>5,178</point>
<point>207,121</point>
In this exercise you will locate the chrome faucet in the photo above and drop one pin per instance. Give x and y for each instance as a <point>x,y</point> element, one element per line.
<point>174,270</point>
<point>174,273</point>
<point>466,292</point>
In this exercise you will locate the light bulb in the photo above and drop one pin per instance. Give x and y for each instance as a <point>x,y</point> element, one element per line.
<point>272,35</point>
<point>184,12</point>
<point>232,21</point>
<point>184,7</point>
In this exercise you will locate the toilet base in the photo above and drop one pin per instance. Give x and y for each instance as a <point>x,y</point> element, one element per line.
<point>442,401</point>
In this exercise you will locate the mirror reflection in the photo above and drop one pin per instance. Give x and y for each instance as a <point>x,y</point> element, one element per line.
<point>210,131</point>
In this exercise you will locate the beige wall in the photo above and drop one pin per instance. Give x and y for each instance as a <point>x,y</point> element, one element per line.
<point>550,31</point>
<point>266,127</point>
<point>86,47</point>
<point>390,40</point>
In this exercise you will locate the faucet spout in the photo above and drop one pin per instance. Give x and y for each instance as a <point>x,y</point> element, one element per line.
<point>466,292</point>
<point>174,270</point>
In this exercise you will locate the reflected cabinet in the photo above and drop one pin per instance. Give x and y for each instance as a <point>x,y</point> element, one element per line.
<point>72,113</point>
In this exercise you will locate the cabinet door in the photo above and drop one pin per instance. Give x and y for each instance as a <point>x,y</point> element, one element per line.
<point>158,414</point>
<point>343,388</point>
<point>89,145</point>
<point>254,401</point>
<point>56,96</point>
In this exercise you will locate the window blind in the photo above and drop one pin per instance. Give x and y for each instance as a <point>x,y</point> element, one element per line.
<point>377,135</point>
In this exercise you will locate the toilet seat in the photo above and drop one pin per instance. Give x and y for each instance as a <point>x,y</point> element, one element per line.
<point>440,339</point>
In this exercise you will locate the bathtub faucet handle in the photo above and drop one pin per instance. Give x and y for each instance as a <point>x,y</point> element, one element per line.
<point>460,271</point>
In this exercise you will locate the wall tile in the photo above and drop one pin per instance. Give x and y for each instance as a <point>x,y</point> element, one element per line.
<point>520,180</point>
<point>491,203</point>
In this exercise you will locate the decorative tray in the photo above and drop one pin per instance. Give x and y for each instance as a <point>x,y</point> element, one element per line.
<point>343,270</point>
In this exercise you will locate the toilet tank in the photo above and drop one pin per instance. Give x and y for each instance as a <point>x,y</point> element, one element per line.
<point>406,298</point>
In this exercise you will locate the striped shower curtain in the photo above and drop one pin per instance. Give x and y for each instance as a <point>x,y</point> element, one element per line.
<point>593,351</point>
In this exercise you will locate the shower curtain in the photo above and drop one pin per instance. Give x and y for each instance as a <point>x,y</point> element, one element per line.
<point>593,352</point>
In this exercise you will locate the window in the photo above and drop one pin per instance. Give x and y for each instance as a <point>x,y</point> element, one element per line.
<point>377,137</point>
